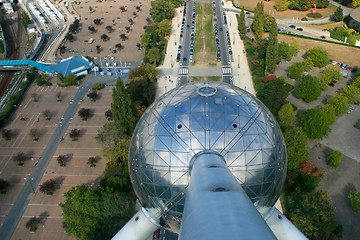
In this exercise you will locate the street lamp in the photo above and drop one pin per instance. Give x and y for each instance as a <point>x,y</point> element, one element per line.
<point>30,181</point>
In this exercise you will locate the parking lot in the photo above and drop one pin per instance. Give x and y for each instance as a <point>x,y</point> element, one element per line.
<point>113,23</point>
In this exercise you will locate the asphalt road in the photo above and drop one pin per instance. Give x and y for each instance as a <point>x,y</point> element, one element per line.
<point>16,212</point>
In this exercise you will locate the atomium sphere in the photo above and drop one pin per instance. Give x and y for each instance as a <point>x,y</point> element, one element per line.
<point>205,116</point>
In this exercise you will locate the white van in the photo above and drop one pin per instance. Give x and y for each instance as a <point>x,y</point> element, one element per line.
<point>91,40</point>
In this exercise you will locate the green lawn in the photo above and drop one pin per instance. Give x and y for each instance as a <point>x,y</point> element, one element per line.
<point>204,43</point>
<point>207,78</point>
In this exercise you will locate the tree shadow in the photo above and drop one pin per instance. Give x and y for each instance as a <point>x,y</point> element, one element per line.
<point>350,187</point>
<point>59,181</point>
<point>43,216</point>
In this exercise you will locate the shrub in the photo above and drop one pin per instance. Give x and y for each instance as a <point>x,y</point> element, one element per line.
<point>304,19</point>
<point>335,158</point>
<point>98,86</point>
<point>312,15</point>
<point>355,200</point>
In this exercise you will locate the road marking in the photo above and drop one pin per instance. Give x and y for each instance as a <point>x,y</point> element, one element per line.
<point>226,70</point>
<point>184,71</point>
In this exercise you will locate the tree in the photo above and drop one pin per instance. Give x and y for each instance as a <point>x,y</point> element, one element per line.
<point>25,20</point>
<point>274,95</point>
<point>314,123</point>
<point>84,113</point>
<point>164,28</point>
<point>74,134</point>
<point>338,14</point>
<point>145,71</point>
<point>308,88</point>
<point>355,3</point>
<point>104,37</point>
<point>142,91</point>
<point>296,70</point>
<point>3,185</point>
<point>329,111</point>
<point>47,114</point>
<point>258,23</point>
<point>352,93</point>
<point>119,46</point>
<point>98,48</point>
<point>355,200</point>
<point>281,5</point>
<point>97,21</point>
<point>70,37</point>
<point>241,23</point>
<point>32,224</point>
<point>35,97</point>
<point>109,115</point>
<point>272,54</point>
<point>6,134</point>
<point>70,80</point>
<point>92,161</point>
<point>308,64</point>
<point>102,212</point>
<point>48,187</point>
<point>286,51</point>
<point>91,29</point>
<point>153,55</point>
<point>35,134</point>
<point>62,160</point>
<point>312,213</point>
<point>123,36</point>
<point>296,147</point>
<point>287,116</point>
<point>121,108</point>
<point>319,56</point>
<point>93,96</point>
<point>123,9</point>
<point>335,158</point>
<point>20,158</point>
<point>329,75</point>
<point>162,9</point>
<point>109,29</point>
<point>340,103</point>
<point>59,96</point>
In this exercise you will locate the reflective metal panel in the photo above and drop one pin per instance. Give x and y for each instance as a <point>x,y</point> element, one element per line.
<point>205,116</point>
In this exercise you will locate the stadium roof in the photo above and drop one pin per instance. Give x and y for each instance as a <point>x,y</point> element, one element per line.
<point>72,65</point>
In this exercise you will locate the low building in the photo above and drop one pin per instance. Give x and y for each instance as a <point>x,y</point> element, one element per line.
<point>73,65</point>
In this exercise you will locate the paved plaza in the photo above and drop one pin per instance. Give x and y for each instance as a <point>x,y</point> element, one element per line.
<point>110,15</point>
<point>76,172</point>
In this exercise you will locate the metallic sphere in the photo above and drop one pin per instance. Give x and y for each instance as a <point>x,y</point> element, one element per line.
<point>205,116</point>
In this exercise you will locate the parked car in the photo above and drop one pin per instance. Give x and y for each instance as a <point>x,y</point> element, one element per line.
<point>334,62</point>
<point>292,26</point>
<point>156,235</point>
<point>91,40</point>
<point>323,37</point>
<point>300,29</point>
<point>354,70</point>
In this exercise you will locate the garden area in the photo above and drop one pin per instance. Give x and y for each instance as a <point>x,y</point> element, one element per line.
<point>204,43</point>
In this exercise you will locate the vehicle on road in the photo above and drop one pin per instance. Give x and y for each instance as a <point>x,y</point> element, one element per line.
<point>156,235</point>
<point>292,26</point>
<point>323,37</point>
<point>300,29</point>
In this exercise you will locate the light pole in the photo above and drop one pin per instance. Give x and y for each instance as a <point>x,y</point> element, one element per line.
<point>32,187</point>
